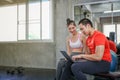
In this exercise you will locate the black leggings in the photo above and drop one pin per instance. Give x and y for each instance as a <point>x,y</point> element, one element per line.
<point>60,68</point>
<point>67,73</point>
<point>63,71</point>
<point>89,67</point>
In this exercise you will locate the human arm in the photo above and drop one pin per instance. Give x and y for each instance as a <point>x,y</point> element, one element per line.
<point>85,48</point>
<point>96,46</point>
<point>68,46</point>
<point>99,51</point>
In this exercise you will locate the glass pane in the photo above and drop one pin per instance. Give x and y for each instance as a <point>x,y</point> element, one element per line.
<point>34,31</point>
<point>22,22</point>
<point>21,32</point>
<point>21,12</point>
<point>108,28</point>
<point>8,23</point>
<point>118,33</point>
<point>34,20</point>
<point>34,11</point>
<point>46,28</point>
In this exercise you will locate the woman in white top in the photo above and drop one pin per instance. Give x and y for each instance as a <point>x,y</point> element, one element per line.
<point>75,41</point>
<point>75,44</point>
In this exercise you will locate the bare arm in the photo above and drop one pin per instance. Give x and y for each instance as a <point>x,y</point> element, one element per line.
<point>85,48</point>
<point>99,51</point>
<point>68,47</point>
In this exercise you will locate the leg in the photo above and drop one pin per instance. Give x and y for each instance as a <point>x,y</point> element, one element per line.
<point>77,72</point>
<point>67,73</point>
<point>89,67</point>
<point>60,67</point>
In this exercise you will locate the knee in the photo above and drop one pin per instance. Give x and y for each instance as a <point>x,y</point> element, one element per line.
<point>74,67</point>
<point>77,67</point>
<point>61,63</point>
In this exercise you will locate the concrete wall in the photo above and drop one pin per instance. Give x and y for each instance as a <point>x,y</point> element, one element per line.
<point>64,10</point>
<point>34,55</point>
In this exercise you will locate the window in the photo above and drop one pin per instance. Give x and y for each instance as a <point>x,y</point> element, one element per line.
<point>108,28</point>
<point>8,23</point>
<point>45,20</point>
<point>34,21</point>
<point>21,22</point>
<point>118,33</point>
<point>112,28</point>
<point>24,22</point>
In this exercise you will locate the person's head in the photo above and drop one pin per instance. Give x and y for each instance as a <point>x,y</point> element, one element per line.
<point>71,26</point>
<point>85,26</point>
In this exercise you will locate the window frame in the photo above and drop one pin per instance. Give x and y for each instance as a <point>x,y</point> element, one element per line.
<point>50,21</point>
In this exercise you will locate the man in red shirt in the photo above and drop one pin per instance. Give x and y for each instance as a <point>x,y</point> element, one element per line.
<point>97,57</point>
<point>112,45</point>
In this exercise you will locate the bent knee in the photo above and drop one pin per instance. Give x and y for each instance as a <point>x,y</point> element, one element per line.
<point>74,67</point>
<point>61,62</point>
<point>77,67</point>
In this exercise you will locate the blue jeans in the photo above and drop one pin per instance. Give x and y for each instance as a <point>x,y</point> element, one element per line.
<point>89,67</point>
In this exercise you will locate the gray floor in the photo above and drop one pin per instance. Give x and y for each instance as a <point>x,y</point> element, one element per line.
<point>33,74</point>
<point>28,74</point>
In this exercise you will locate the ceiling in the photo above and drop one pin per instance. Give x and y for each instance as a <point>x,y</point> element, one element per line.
<point>84,2</point>
<point>9,2</point>
<point>101,7</point>
<point>94,6</point>
<point>98,7</point>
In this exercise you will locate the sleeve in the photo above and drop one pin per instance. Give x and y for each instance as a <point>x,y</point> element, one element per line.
<point>100,39</point>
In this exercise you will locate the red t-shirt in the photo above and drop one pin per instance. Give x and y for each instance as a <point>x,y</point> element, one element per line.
<point>112,46</point>
<point>99,39</point>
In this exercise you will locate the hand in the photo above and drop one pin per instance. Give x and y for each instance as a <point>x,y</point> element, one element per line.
<point>77,57</point>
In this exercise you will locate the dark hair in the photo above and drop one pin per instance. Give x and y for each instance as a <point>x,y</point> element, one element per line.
<point>108,38</point>
<point>69,22</point>
<point>85,21</point>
